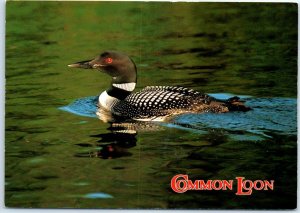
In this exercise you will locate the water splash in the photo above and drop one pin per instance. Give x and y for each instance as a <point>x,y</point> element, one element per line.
<point>267,115</point>
<point>86,107</point>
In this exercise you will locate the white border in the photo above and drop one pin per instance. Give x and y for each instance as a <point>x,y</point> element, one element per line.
<point>2,124</point>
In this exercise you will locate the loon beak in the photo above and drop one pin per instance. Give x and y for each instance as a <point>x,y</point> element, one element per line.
<point>90,64</point>
<point>82,64</point>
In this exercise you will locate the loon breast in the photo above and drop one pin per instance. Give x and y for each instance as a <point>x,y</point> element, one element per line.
<point>107,102</point>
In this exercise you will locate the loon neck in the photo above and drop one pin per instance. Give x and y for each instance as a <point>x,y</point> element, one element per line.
<point>114,94</point>
<point>121,90</point>
<point>123,84</point>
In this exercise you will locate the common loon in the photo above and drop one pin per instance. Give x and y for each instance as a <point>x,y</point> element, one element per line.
<point>153,102</point>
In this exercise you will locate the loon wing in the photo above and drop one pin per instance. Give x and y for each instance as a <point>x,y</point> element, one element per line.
<point>158,101</point>
<point>180,90</point>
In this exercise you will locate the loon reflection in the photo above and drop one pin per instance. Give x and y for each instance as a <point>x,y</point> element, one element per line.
<point>120,138</point>
<point>114,144</point>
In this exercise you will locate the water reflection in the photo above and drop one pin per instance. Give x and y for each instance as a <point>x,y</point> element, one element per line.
<point>117,142</point>
<point>114,144</point>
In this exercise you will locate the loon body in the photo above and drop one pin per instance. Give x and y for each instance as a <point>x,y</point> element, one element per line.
<point>152,102</point>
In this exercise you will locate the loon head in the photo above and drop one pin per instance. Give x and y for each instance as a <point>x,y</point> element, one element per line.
<point>119,66</point>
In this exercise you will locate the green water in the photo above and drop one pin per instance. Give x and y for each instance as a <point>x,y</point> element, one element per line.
<point>57,159</point>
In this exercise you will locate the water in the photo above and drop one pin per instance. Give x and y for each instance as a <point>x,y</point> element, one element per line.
<point>59,154</point>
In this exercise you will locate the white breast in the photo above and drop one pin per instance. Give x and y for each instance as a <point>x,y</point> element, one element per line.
<point>106,101</point>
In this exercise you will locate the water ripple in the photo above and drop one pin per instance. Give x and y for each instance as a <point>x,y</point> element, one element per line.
<point>268,114</point>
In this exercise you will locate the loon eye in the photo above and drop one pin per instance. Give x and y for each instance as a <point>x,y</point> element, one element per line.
<point>108,60</point>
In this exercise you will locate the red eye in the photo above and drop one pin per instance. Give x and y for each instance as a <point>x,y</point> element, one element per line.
<point>108,60</point>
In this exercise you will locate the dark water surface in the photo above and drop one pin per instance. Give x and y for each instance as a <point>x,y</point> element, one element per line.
<point>58,154</point>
